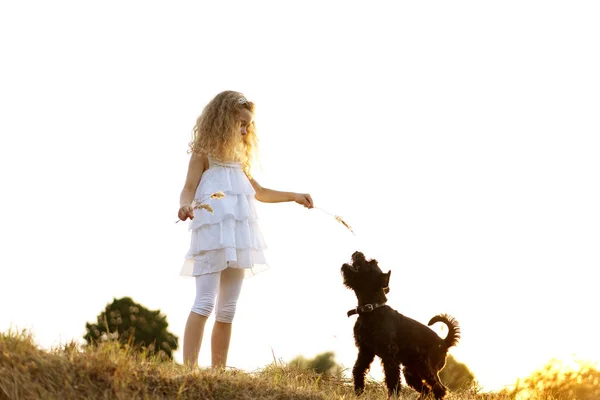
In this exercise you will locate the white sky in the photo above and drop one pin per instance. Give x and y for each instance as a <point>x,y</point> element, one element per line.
<point>459,139</point>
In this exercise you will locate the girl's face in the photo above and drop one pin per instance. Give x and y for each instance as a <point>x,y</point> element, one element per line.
<point>245,117</point>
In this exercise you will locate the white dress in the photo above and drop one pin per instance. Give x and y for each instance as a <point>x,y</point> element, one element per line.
<point>231,236</point>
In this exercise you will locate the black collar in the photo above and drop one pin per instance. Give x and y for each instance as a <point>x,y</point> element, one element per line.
<point>365,309</point>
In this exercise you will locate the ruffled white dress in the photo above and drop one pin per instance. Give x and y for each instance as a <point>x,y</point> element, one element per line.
<point>231,236</point>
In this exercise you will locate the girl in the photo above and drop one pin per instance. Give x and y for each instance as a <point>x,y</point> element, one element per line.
<point>226,244</point>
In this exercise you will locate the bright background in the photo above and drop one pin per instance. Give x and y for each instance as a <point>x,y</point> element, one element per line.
<point>460,140</point>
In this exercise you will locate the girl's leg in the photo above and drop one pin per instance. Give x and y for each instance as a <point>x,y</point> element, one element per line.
<point>192,338</point>
<point>206,292</point>
<point>229,292</point>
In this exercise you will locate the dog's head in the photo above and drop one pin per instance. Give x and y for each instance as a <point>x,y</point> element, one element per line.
<point>364,276</point>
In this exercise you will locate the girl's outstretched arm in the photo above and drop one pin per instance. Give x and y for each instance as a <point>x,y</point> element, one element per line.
<point>275,196</point>
<point>196,168</point>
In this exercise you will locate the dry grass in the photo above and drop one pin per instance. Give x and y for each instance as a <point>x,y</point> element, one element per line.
<point>204,206</point>
<point>200,204</point>
<point>217,195</point>
<point>338,219</point>
<point>110,372</point>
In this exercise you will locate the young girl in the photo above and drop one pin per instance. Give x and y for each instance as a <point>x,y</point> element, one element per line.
<point>227,244</point>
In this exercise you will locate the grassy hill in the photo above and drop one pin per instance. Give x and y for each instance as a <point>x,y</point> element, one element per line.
<point>110,372</point>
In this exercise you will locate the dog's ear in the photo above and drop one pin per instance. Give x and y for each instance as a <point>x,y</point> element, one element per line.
<point>386,280</point>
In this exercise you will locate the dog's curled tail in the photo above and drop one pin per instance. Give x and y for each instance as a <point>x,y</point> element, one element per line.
<point>453,328</point>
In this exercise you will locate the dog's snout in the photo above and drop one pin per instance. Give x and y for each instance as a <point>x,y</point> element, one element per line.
<point>357,256</point>
<point>351,267</point>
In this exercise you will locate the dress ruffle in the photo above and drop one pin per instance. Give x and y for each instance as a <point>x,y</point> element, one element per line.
<point>230,237</point>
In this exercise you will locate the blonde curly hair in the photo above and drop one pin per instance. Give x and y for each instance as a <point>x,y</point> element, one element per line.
<point>217,130</point>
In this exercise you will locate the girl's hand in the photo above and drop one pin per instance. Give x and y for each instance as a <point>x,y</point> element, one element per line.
<point>304,199</point>
<point>185,211</point>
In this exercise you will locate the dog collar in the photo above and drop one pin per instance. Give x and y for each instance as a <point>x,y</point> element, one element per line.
<point>365,309</point>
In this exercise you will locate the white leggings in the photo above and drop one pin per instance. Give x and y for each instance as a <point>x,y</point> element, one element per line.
<point>228,284</point>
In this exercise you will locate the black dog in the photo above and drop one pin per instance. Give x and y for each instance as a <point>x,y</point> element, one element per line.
<point>381,331</point>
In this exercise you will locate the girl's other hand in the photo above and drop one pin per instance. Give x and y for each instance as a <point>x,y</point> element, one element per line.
<point>304,199</point>
<point>185,211</point>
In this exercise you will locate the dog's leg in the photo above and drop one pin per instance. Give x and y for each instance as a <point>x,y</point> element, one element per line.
<point>438,388</point>
<point>362,364</point>
<point>415,381</point>
<point>391,367</point>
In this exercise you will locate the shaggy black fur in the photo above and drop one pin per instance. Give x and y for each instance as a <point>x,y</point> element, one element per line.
<point>396,339</point>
